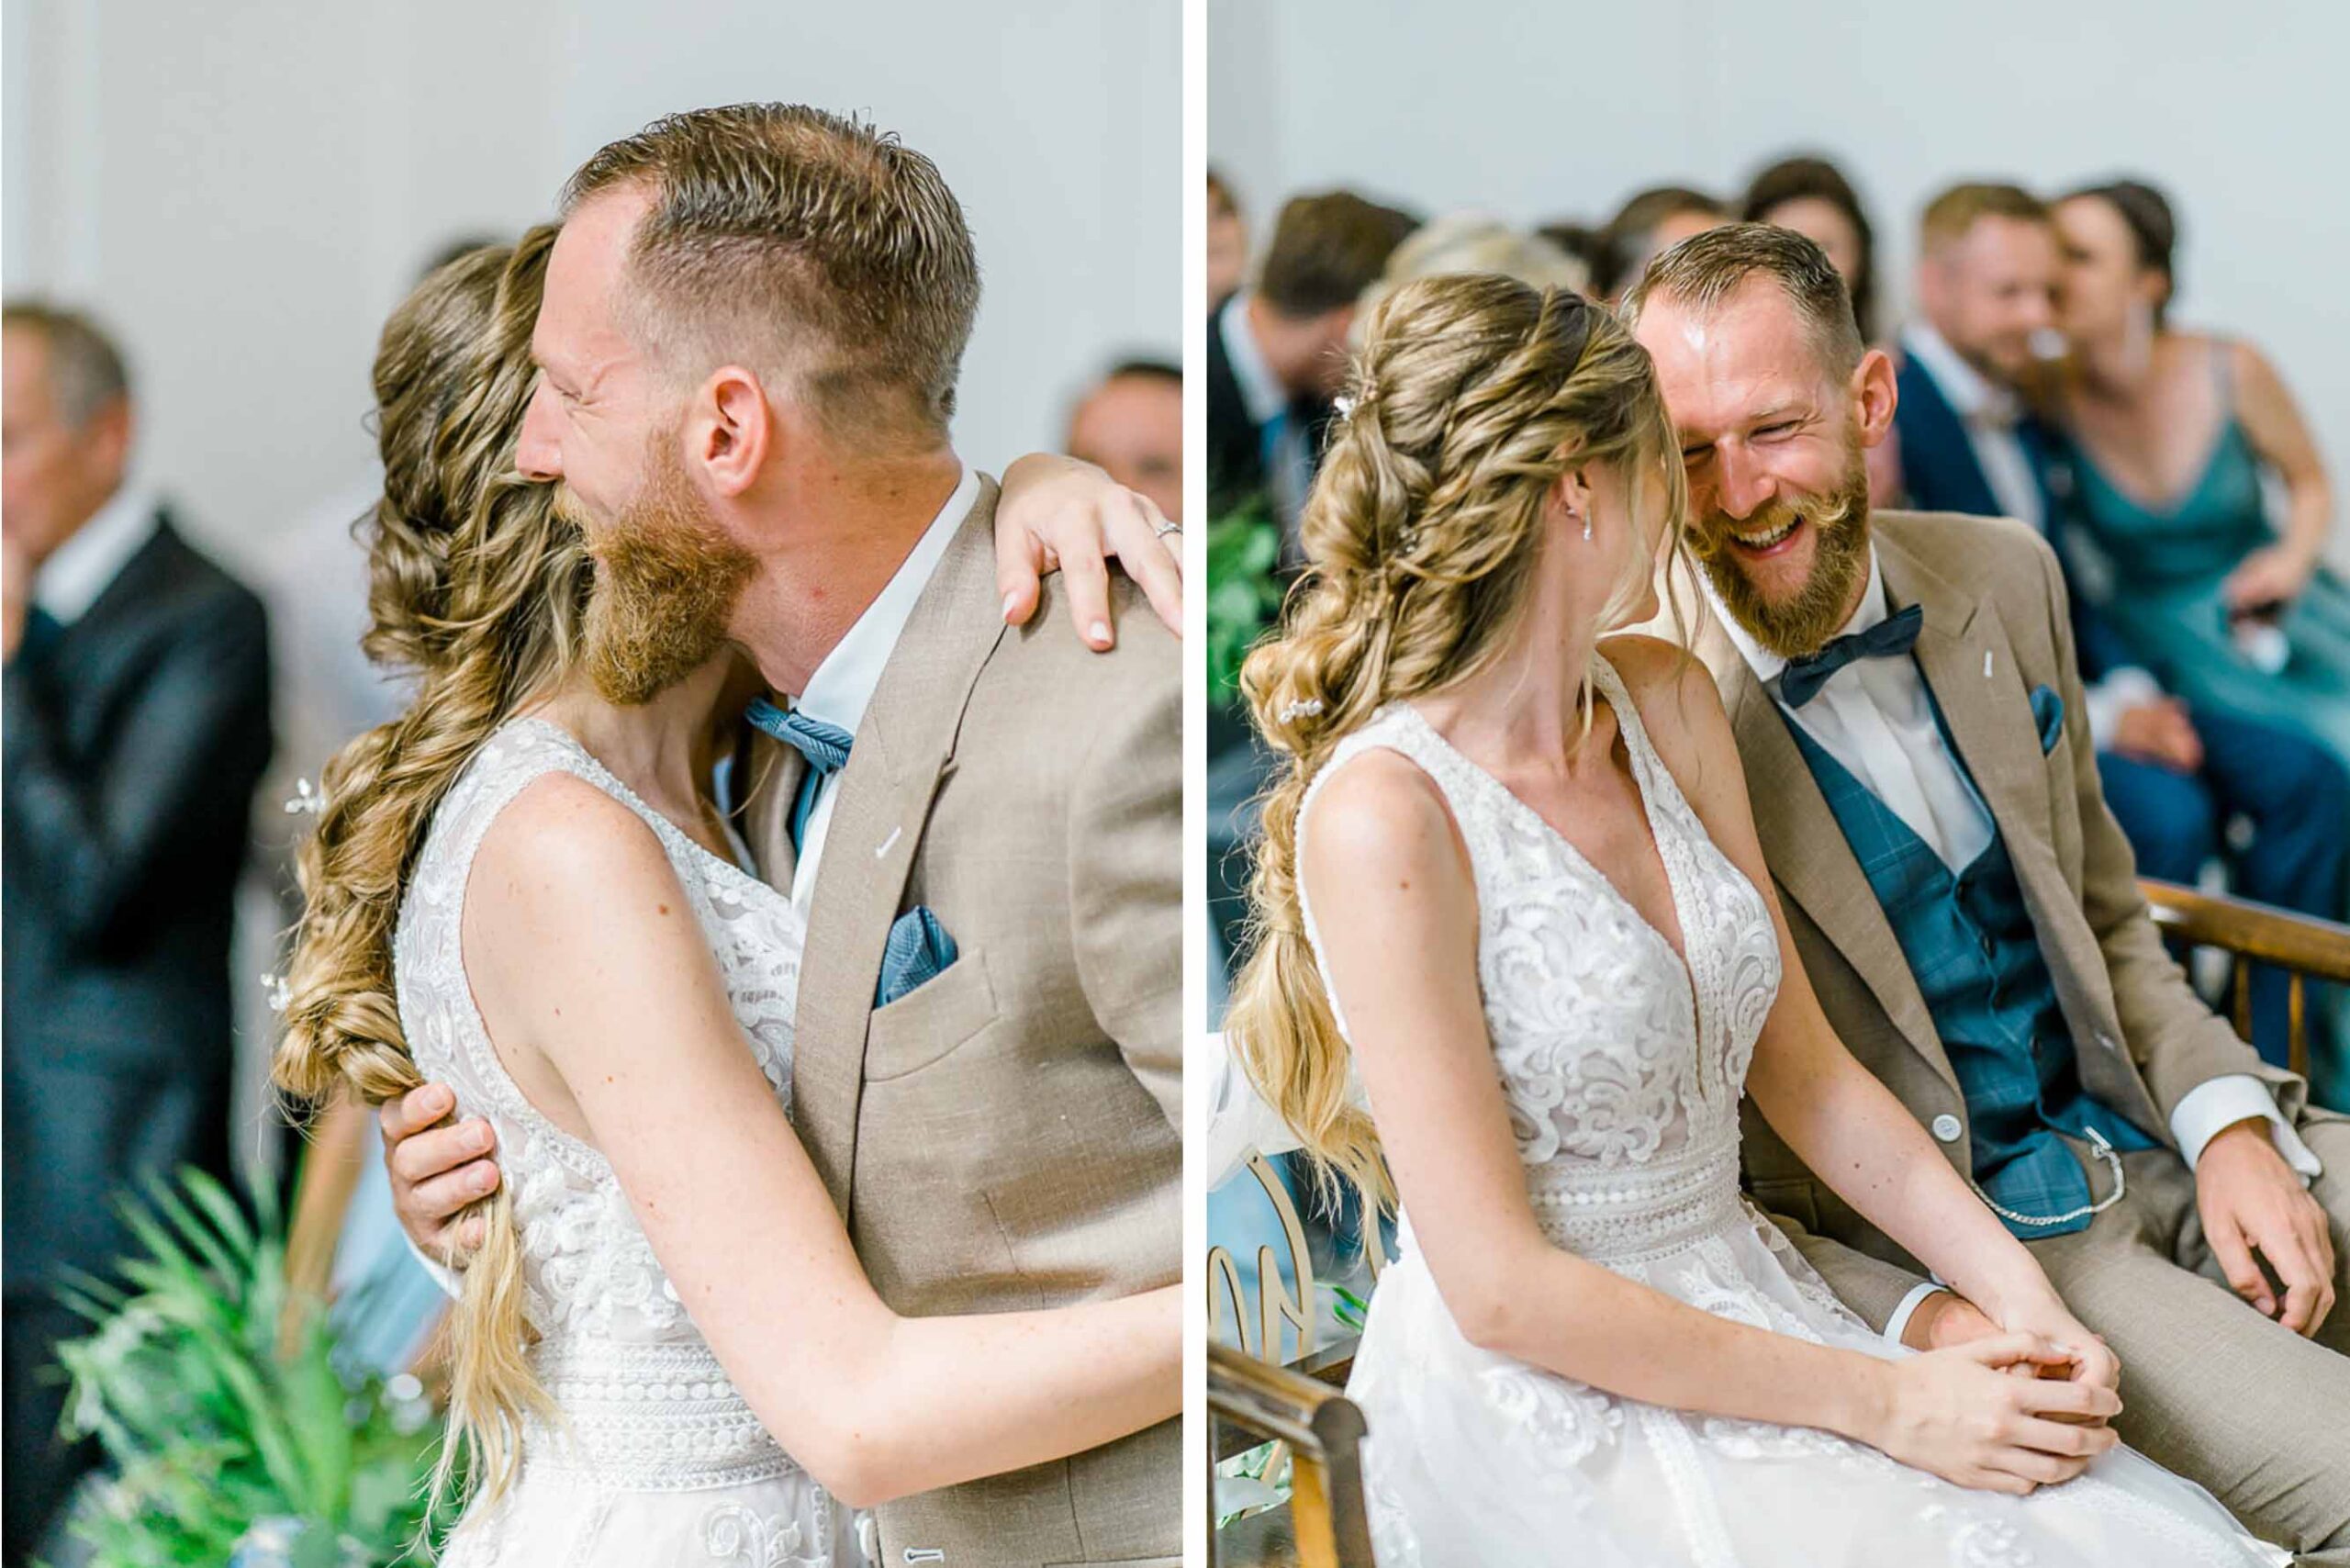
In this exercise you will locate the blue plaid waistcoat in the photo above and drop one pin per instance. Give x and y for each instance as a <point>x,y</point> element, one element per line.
<point>1970,943</point>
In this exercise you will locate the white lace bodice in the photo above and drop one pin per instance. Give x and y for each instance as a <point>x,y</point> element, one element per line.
<point>1622,1080</point>
<point>646,1403</point>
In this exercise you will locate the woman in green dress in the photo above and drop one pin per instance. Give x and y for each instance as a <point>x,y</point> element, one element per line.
<point>2167,441</point>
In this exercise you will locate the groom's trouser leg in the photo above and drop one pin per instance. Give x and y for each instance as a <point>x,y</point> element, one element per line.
<point>2210,1388</point>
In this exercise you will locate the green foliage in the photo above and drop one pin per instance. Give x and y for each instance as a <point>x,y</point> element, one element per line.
<point>1244,591</point>
<point>230,1439</point>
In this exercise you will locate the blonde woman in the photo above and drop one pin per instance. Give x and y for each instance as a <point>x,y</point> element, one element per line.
<point>599,1425</point>
<point>1511,876</point>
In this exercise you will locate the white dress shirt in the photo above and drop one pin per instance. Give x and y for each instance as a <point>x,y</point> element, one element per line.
<point>1988,413</point>
<point>843,685</point>
<point>1875,716</point>
<point>86,565</point>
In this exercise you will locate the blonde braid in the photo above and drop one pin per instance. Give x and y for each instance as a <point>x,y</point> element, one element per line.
<point>1472,395</point>
<point>477,586</point>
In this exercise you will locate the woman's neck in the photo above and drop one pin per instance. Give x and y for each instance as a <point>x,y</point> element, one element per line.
<point>665,749</point>
<point>1526,708</point>
<point>2119,369</point>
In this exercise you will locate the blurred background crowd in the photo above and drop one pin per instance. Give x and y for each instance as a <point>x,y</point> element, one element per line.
<point>2090,256</point>
<point>208,217</point>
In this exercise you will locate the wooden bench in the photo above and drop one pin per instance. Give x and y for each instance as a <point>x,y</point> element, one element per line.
<point>2307,948</point>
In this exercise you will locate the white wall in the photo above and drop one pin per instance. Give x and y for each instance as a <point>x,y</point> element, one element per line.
<point>243,191</point>
<point>1536,112</point>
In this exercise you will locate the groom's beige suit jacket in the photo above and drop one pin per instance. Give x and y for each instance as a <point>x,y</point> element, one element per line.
<point>1007,1135</point>
<point>1996,628</point>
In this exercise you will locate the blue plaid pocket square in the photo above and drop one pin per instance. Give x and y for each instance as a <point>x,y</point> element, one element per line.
<point>2048,713</point>
<point>919,951</point>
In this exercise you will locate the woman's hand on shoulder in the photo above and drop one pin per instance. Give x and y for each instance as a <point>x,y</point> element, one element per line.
<point>1059,514</point>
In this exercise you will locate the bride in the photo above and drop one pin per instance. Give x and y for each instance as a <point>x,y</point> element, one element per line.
<point>597,1423</point>
<point>1511,877</point>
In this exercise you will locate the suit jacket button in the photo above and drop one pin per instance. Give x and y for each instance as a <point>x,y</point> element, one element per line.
<point>1946,1128</point>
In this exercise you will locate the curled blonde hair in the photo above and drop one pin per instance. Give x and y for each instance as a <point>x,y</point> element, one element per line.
<point>1473,394</point>
<point>476,587</point>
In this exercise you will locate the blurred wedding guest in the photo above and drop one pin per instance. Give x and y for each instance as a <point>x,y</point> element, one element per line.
<point>1130,423</point>
<point>1579,241</point>
<point>1649,223</point>
<point>1472,242</point>
<point>1228,241</point>
<point>2174,776</point>
<point>1277,350</point>
<point>137,718</point>
<point>2168,437</point>
<point>1812,197</point>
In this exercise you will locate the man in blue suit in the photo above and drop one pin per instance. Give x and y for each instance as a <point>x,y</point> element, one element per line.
<point>1987,276</point>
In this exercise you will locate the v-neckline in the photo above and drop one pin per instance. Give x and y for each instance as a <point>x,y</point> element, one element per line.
<point>1673,890</point>
<point>2171,510</point>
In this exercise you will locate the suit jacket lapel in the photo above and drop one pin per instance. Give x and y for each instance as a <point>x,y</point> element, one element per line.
<point>903,751</point>
<point>1806,849</point>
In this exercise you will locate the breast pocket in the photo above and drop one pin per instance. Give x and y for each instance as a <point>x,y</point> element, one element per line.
<point>931,1020</point>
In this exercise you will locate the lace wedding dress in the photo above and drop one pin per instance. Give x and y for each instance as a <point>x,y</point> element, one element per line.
<point>655,1462</point>
<point>1622,1067</point>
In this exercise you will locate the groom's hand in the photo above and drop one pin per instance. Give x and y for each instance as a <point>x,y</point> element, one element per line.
<point>438,1167</point>
<point>2250,1200</point>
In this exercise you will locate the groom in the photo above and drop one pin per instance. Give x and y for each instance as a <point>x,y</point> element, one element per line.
<point>1909,714</point>
<point>752,328</point>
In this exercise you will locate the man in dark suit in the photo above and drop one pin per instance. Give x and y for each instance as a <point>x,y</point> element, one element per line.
<point>136,717</point>
<point>1986,280</point>
<point>1277,351</point>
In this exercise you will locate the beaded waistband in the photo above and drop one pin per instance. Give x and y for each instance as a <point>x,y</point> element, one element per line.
<point>1622,1216</point>
<point>647,1418</point>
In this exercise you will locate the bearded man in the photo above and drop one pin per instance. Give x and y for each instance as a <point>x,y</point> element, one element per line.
<point>1909,713</point>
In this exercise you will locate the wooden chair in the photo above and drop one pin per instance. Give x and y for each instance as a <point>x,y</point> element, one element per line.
<point>1253,1399</point>
<point>2307,948</point>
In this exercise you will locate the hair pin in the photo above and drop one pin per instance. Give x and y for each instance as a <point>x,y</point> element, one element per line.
<point>306,799</point>
<point>1300,707</point>
<point>279,993</point>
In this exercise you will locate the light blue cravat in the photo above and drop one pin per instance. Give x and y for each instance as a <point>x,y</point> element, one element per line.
<point>826,747</point>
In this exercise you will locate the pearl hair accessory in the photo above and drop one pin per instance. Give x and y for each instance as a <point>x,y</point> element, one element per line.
<point>1302,708</point>
<point>277,991</point>
<point>305,801</point>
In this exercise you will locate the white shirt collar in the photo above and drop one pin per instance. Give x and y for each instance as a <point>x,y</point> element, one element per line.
<point>843,685</point>
<point>1768,665</point>
<point>83,568</point>
<point>1261,392</point>
<point>1971,395</point>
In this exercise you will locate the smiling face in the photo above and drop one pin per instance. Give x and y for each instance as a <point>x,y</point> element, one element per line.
<point>1773,441</point>
<point>2104,293</point>
<point>1991,291</point>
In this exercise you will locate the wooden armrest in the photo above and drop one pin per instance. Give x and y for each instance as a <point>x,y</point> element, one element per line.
<point>1323,1430</point>
<point>2320,948</point>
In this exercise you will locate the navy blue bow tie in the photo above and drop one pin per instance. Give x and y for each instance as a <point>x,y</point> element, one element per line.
<point>826,747</point>
<point>1803,678</point>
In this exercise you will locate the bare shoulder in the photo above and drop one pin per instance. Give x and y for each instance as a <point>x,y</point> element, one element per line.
<point>1679,705</point>
<point>565,857</point>
<point>1379,821</point>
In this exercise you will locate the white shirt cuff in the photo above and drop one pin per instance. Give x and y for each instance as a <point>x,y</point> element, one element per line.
<point>2223,1102</point>
<point>452,1283</point>
<point>2119,691</point>
<point>1897,1325</point>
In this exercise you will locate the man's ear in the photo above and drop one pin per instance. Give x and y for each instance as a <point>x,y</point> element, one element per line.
<point>731,431</point>
<point>1875,393</point>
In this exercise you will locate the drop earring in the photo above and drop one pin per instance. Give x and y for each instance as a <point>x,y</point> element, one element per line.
<point>1587,528</point>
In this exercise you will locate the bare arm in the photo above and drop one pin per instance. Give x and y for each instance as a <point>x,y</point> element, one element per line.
<point>2272,423</point>
<point>585,955</point>
<point>1398,918</point>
